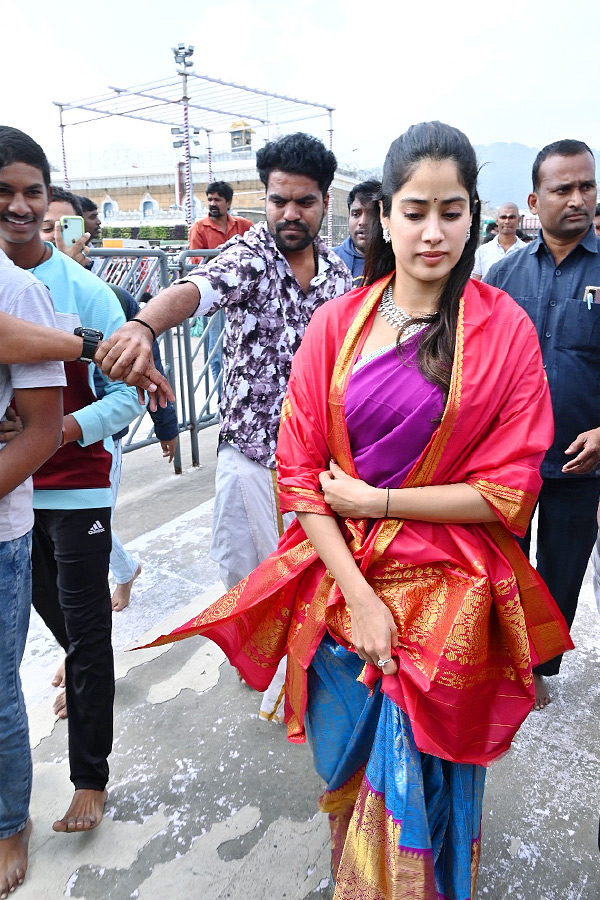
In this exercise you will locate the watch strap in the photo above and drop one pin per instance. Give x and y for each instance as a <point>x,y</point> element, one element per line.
<point>89,348</point>
<point>91,339</point>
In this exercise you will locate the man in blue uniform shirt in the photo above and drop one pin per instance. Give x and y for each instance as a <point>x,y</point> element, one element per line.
<point>550,279</point>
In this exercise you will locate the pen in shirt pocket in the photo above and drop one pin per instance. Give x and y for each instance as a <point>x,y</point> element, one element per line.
<point>591,294</point>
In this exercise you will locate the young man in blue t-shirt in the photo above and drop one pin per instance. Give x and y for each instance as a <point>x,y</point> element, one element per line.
<point>37,390</point>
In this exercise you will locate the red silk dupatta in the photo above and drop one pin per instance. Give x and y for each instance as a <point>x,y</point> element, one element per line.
<point>473,616</point>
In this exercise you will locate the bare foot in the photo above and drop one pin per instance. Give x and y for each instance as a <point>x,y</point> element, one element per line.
<point>84,813</point>
<point>120,598</point>
<point>13,860</point>
<point>60,705</point>
<point>542,697</point>
<point>59,678</point>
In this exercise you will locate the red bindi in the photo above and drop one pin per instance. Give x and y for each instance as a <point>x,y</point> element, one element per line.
<point>435,199</point>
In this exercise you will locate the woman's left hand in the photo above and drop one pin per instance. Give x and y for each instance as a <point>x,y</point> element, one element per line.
<point>350,497</point>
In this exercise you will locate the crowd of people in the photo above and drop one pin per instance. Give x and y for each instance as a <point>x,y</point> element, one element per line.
<point>392,413</point>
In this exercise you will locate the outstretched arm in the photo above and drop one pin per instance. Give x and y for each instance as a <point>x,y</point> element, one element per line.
<point>127,353</point>
<point>27,342</point>
<point>22,341</point>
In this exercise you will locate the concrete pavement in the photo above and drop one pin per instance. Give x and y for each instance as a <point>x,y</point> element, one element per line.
<point>206,800</point>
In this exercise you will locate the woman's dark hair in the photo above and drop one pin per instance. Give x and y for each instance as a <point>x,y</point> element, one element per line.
<point>438,142</point>
<point>18,147</point>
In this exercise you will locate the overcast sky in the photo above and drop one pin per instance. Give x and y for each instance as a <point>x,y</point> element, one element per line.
<point>514,71</point>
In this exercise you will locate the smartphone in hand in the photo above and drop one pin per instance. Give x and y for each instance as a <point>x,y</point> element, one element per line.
<point>72,228</point>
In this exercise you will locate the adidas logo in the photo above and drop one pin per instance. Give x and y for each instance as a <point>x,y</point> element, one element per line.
<point>96,528</point>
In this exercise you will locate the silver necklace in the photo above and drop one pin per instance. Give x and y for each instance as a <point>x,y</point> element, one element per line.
<point>399,319</point>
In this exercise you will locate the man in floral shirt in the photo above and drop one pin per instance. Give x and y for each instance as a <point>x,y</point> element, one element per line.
<point>269,281</point>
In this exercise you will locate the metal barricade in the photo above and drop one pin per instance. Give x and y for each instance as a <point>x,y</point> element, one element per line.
<point>190,355</point>
<point>202,341</point>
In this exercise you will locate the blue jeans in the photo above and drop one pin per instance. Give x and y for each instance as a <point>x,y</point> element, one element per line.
<point>15,755</point>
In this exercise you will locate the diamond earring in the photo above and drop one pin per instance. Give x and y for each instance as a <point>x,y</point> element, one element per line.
<point>468,236</point>
<point>386,235</point>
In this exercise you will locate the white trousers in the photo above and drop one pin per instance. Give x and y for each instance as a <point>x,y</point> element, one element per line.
<point>246,520</point>
<point>247,525</point>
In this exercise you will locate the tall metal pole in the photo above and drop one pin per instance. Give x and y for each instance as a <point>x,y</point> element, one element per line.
<point>183,57</point>
<point>64,152</point>
<point>209,156</point>
<point>189,210</point>
<point>330,206</point>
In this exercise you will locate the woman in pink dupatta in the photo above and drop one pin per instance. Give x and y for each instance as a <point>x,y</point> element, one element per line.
<point>416,418</point>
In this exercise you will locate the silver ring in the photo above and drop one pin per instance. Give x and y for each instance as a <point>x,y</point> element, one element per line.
<point>383,662</point>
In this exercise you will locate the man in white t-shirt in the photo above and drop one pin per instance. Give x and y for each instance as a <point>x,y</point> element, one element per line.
<point>26,312</point>
<point>37,390</point>
<point>506,241</point>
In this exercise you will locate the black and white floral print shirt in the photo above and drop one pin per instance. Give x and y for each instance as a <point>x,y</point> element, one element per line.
<point>266,316</point>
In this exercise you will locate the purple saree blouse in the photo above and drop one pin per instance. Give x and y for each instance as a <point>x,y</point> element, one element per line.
<point>391,413</point>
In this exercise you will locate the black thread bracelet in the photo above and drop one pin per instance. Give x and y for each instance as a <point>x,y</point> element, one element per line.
<point>387,503</point>
<point>149,327</point>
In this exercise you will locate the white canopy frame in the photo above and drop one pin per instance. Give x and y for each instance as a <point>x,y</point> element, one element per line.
<point>211,102</point>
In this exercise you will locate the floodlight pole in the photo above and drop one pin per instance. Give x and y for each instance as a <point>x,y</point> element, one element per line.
<point>183,56</point>
<point>62,143</point>
<point>209,156</point>
<point>189,211</point>
<point>330,206</point>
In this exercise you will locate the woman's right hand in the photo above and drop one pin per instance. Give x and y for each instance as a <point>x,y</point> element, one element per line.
<point>374,631</point>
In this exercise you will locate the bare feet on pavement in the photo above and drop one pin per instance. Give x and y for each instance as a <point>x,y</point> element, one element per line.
<point>122,594</point>
<point>542,697</point>
<point>59,678</point>
<point>60,703</point>
<point>13,860</point>
<point>84,813</point>
<point>60,706</point>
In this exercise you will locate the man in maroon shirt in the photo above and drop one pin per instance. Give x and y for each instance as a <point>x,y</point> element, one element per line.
<point>218,226</point>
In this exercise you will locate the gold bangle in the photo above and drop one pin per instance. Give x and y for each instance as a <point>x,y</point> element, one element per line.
<point>387,503</point>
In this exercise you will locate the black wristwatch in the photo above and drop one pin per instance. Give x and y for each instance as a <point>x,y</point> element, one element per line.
<point>91,339</point>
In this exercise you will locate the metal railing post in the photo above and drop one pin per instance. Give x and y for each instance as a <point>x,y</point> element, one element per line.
<point>140,270</point>
<point>187,343</point>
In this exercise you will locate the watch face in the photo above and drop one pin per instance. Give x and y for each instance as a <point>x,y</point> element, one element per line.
<point>88,334</point>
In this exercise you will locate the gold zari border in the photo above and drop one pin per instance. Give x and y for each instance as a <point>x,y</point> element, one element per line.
<point>374,864</point>
<point>515,505</point>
